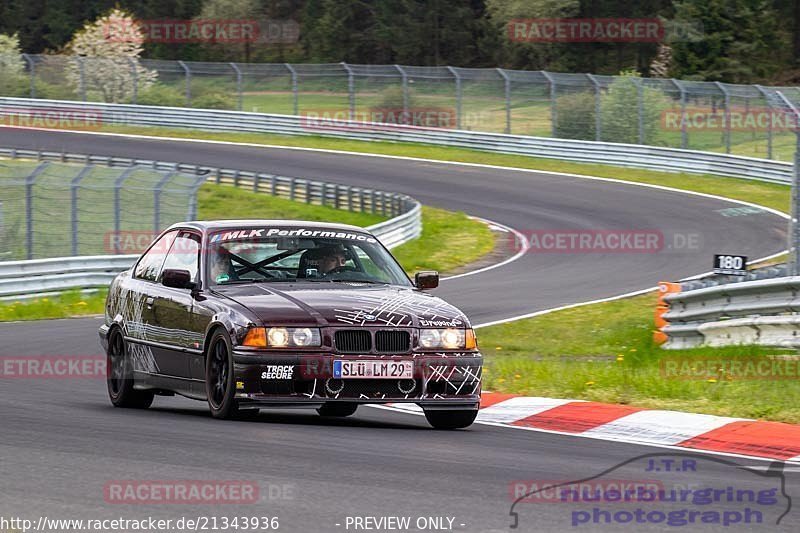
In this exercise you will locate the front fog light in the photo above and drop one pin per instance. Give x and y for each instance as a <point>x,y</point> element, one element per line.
<point>278,337</point>
<point>302,337</point>
<point>453,338</point>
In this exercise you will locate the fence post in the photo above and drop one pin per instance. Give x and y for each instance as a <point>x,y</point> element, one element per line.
<point>684,133</point>
<point>82,77</point>
<point>458,95</point>
<point>640,107</point>
<point>553,110</point>
<point>157,200</point>
<point>507,92</point>
<point>188,74</point>
<point>293,72</point>
<point>769,126</point>
<point>135,78</point>
<point>238,84</point>
<point>598,120</point>
<point>192,215</point>
<point>405,92</point>
<point>117,207</point>
<point>794,227</point>
<point>73,191</point>
<point>351,90</point>
<point>727,96</point>
<point>29,181</point>
<point>32,70</point>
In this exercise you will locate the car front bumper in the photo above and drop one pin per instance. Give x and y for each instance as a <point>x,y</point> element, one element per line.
<point>440,380</point>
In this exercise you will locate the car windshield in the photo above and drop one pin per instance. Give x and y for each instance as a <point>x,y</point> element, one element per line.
<point>291,254</point>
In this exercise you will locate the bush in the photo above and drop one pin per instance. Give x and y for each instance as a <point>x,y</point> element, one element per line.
<point>620,111</point>
<point>576,116</point>
<point>392,98</point>
<point>15,85</point>
<point>160,94</point>
<point>214,101</point>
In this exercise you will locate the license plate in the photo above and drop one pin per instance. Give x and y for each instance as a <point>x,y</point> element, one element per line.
<point>373,369</point>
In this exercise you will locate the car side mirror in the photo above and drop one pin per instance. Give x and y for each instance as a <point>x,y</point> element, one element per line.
<point>426,280</point>
<point>177,279</point>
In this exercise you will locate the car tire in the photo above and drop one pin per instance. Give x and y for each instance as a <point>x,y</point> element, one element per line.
<point>220,381</point>
<point>451,419</point>
<point>119,375</point>
<point>338,409</point>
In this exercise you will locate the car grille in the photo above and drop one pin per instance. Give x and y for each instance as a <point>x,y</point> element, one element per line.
<point>353,341</point>
<point>392,341</point>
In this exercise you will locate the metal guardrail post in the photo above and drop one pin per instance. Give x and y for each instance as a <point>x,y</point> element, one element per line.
<point>351,91</point>
<point>459,95</point>
<point>73,192</point>
<point>404,81</point>
<point>188,75</point>
<point>507,93</point>
<point>32,71</point>
<point>553,111</point>
<point>29,181</point>
<point>727,100</point>
<point>684,132</point>
<point>295,99</point>
<point>117,207</point>
<point>157,199</point>
<point>238,72</point>
<point>770,125</point>
<point>598,119</point>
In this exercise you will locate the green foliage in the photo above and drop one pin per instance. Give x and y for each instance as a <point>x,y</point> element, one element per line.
<point>214,101</point>
<point>576,116</point>
<point>392,98</point>
<point>620,111</point>
<point>160,94</point>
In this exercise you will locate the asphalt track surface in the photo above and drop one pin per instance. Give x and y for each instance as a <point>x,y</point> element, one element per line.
<point>61,442</point>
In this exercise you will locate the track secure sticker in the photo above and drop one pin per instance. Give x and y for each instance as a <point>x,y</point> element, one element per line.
<point>278,372</point>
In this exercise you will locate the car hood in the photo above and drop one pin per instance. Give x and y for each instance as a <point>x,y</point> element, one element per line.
<point>344,304</point>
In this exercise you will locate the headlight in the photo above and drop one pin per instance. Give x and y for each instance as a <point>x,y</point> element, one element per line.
<point>283,337</point>
<point>449,339</point>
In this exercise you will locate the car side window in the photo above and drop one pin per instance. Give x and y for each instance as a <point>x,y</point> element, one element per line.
<point>149,266</point>
<point>184,254</point>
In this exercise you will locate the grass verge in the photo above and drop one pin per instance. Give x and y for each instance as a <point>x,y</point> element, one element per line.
<point>67,304</point>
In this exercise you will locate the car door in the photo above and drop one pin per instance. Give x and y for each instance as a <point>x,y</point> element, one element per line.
<point>175,328</point>
<point>137,299</point>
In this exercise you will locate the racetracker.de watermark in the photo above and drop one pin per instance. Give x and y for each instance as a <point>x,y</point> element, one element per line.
<point>757,119</point>
<point>56,117</point>
<point>729,369</point>
<point>194,492</point>
<point>602,30</point>
<point>632,241</point>
<point>183,31</point>
<point>53,367</point>
<point>370,120</point>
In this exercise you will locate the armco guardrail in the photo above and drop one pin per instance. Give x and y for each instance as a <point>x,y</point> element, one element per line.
<point>752,312</point>
<point>21,279</point>
<point>628,155</point>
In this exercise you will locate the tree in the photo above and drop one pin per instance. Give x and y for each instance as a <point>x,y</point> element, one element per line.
<point>741,41</point>
<point>621,107</point>
<point>108,51</point>
<point>12,67</point>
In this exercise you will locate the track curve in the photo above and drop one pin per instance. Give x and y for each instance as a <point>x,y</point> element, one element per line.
<point>63,442</point>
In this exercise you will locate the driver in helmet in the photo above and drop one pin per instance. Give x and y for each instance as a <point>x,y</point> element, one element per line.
<point>331,258</point>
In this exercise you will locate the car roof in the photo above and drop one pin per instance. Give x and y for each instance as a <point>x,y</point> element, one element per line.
<point>214,225</point>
